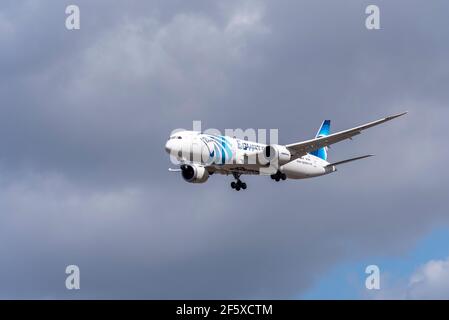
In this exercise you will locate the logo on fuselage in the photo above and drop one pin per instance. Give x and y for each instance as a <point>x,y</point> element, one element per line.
<point>219,149</point>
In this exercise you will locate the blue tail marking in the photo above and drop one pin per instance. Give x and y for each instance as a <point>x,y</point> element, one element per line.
<point>322,132</point>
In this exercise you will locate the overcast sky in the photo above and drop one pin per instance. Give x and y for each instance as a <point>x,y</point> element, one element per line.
<point>84,116</point>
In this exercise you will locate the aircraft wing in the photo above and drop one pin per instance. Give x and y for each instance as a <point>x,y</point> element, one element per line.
<point>300,149</point>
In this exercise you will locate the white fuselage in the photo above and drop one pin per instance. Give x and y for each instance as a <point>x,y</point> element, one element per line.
<point>225,154</point>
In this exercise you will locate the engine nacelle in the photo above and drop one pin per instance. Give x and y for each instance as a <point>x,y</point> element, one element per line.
<point>275,154</point>
<point>194,173</point>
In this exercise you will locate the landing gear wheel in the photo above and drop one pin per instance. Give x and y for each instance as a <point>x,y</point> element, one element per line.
<point>238,184</point>
<point>278,176</point>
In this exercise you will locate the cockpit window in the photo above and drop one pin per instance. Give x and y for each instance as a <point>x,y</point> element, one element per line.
<point>179,137</point>
<point>175,137</point>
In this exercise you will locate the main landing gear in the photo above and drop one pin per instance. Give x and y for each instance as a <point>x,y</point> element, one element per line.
<point>237,185</point>
<point>278,176</point>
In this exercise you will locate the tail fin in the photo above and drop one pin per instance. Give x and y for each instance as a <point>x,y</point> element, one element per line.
<point>322,132</point>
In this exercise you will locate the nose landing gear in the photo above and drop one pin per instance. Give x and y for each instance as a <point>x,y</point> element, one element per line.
<point>237,185</point>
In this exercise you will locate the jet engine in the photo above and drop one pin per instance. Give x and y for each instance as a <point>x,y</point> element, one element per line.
<point>194,174</point>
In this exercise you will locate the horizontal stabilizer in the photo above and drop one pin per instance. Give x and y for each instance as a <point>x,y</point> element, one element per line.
<point>173,170</point>
<point>349,160</point>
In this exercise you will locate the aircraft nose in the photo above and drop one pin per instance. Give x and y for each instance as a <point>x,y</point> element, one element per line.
<point>168,146</point>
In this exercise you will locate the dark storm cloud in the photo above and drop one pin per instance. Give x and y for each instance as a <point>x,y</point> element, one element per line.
<point>85,114</point>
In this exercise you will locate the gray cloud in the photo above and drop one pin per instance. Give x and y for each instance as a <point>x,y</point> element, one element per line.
<point>85,114</point>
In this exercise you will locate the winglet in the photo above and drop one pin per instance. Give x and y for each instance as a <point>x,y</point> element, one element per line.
<point>396,115</point>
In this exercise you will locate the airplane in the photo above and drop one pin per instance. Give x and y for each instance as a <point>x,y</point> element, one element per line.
<point>201,155</point>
